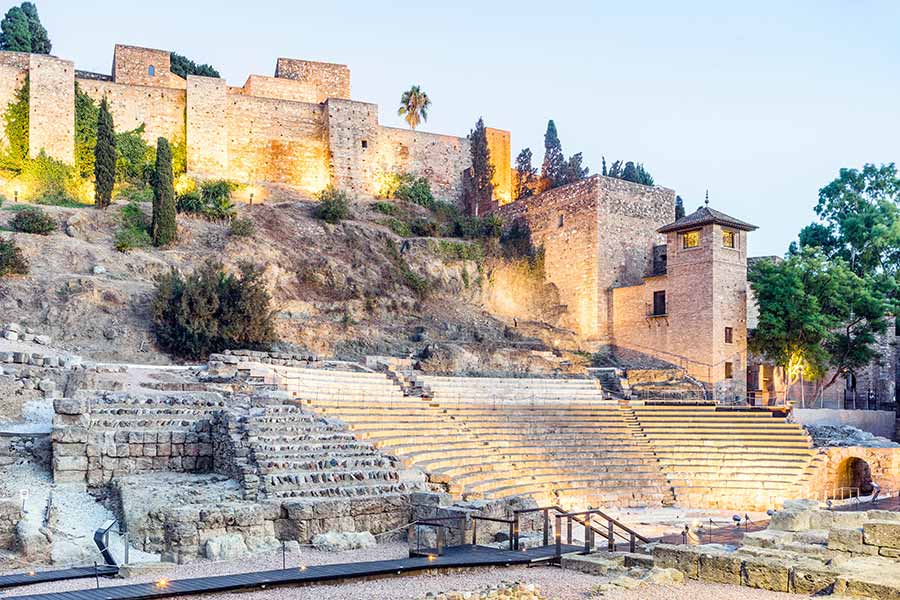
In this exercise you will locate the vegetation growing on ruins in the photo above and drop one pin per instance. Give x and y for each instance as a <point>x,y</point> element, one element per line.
<point>526,175</point>
<point>21,31</point>
<point>334,205</point>
<point>212,310</point>
<point>16,118</point>
<point>86,115</point>
<point>33,220</point>
<point>104,157</point>
<point>183,66</point>
<point>414,104</point>
<point>629,171</point>
<point>12,261</point>
<point>163,228</point>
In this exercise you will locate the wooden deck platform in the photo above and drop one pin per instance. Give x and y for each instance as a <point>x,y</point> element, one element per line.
<point>453,557</point>
<point>20,579</point>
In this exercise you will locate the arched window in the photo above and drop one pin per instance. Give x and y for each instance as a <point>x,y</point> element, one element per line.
<point>151,70</point>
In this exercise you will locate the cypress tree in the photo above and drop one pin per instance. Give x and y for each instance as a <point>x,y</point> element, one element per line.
<point>163,228</point>
<point>480,188</point>
<point>104,157</point>
<point>526,174</point>
<point>15,33</point>
<point>629,173</point>
<point>40,41</point>
<point>554,165</point>
<point>679,207</point>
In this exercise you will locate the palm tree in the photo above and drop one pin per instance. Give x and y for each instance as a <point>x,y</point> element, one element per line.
<point>414,105</point>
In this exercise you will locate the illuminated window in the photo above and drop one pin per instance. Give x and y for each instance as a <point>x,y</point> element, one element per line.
<point>729,370</point>
<point>151,70</point>
<point>690,239</point>
<point>729,335</point>
<point>728,238</point>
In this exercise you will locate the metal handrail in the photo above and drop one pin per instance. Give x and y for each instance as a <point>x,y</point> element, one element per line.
<point>509,522</point>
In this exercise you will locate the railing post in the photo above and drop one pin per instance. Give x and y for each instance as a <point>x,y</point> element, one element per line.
<point>516,530</point>
<point>587,534</point>
<point>440,539</point>
<point>511,536</point>
<point>631,544</point>
<point>546,526</point>
<point>558,535</point>
<point>569,530</point>
<point>611,540</point>
<point>474,531</point>
<point>410,534</point>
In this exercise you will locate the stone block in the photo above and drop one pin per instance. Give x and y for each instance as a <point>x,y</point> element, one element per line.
<point>790,520</point>
<point>845,540</point>
<point>882,533</point>
<point>813,579</point>
<point>684,558</point>
<point>767,573</point>
<point>69,463</point>
<point>69,406</point>
<point>870,586</point>
<point>720,567</point>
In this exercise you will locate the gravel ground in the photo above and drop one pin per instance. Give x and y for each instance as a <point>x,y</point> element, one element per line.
<point>556,584</point>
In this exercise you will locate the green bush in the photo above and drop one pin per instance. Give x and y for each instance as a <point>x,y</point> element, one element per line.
<point>242,227</point>
<point>135,158</point>
<point>211,311</point>
<point>425,228</point>
<point>211,200</point>
<point>134,230</point>
<point>33,220</point>
<point>399,227</point>
<point>416,190</point>
<point>137,193</point>
<point>450,250</point>
<point>490,226</point>
<point>387,208</point>
<point>334,205</point>
<point>47,179</point>
<point>11,260</point>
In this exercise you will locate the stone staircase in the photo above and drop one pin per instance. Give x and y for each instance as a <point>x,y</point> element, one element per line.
<point>726,457</point>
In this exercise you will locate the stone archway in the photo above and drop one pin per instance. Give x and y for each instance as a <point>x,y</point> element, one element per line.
<point>854,472</point>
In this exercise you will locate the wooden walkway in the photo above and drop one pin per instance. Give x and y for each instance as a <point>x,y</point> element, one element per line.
<point>453,557</point>
<point>19,579</point>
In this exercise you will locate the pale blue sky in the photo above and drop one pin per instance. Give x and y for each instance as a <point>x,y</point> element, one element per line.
<point>760,102</point>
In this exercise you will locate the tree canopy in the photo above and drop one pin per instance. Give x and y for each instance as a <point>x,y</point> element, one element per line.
<point>554,165</point>
<point>183,66</point>
<point>479,182</point>
<point>414,104</point>
<point>526,175</point>
<point>21,30</point>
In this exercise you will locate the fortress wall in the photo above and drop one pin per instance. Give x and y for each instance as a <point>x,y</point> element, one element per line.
<point>570,247</point>
<point>352,131</point>
<point>277,141</point>
<point>207,132</point>
<point>131,66</point>
<point>329,79</point>
<point>51,107</point>
<point>280,88</point>
<point>11,79</point>
<point>439,158</point>
<point>161,110</point>
<point>630,325</point>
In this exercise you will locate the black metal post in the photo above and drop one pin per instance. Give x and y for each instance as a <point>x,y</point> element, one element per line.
<point>631,544</point>
<point>283,555</point>
<point>558,537</point>
<point>511,537</point>
<point>546,526</point>
<point>569,530</point>
<point>474,531</point>
<point>516,530</point>
<point>611,540</point>
<point>440,540</point>
<point>587,534</point>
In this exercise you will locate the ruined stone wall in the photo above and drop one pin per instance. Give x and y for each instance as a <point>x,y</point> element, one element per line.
<point>51,107</point>
<point>207,128</point>
<point>276,141</point>
<point>133,65</point>
<point>161,110</point>
<point>280,89</point>
<point>439,158</point>
<point>329,79</point>
<point>829,475</point>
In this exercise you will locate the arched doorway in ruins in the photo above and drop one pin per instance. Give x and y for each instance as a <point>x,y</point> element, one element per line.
<point>853,474</point>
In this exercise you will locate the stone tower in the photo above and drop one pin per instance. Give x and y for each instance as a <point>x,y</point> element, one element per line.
<point>706,299</point>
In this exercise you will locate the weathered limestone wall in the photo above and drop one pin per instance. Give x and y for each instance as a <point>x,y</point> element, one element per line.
<point>439,158</point>
<point>280,88</point>
<point>330,80</point>
<point>12,78</point>
<point>51,107</point>
<point>207,128</point>
<point>161,110</point>
<point>831,470</point>
<point>276,141</point>
<point>877,422</point>
<point>132,66</point>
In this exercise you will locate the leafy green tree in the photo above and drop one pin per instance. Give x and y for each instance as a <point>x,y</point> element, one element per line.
<point>816,315</point>
<point>629,173</point>
<point>40,41</point>
<point>15,32</point>
<point>479,182</point>
<point>163,227</point>
<point>553,169</point>
<point>183,66</point>
<point>679,207</point>
<point>16,119</point>
<point>414,105</point>
<point>526,175</point>
<point>86,116</point>
<point>104,157</point>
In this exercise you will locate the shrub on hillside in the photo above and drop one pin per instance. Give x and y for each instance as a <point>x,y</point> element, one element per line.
<point>386,208</point>
<point>490,226</point>
<point>47,180</point>
<point>134,229</point>
<point>211,310</point>
<point>425,228</point>
<point>33,220</point>
<point>210,199</point>
<point>242,227</point>
<point>334,205</point>
<point>12,262</point>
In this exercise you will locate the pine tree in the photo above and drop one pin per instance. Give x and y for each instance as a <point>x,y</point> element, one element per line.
<point>40,41</point>
<point>679,207</point>
<point>15,33</point>
<point>554,165</point>
<point>164,228</point>
<point>480,187</point>
<point>104,157</point>
<point>526,174</point>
